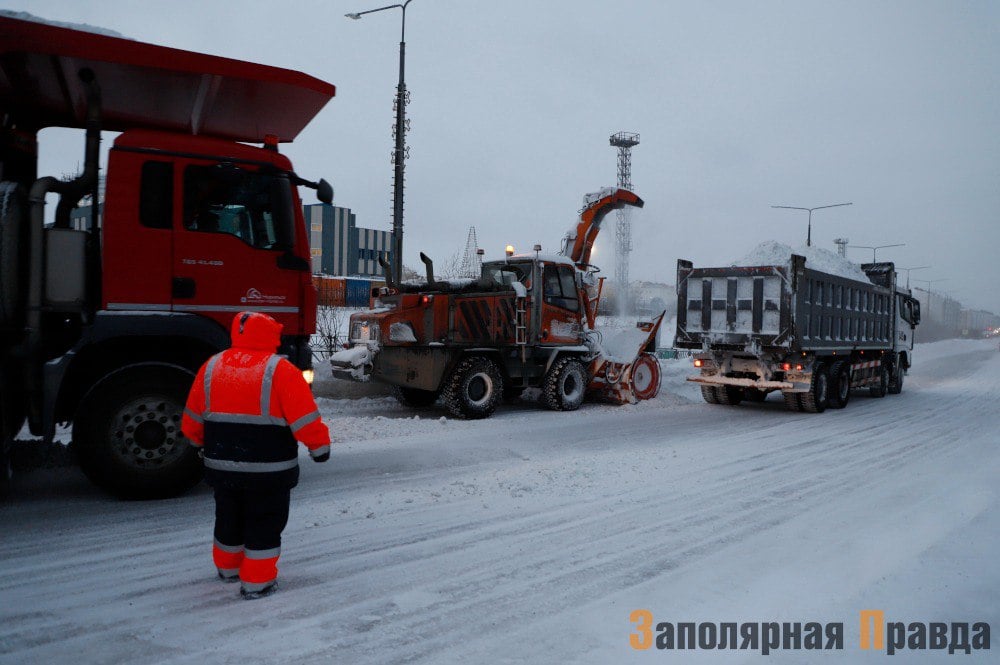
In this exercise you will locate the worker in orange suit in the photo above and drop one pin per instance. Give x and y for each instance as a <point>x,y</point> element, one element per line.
<point>247,408</point>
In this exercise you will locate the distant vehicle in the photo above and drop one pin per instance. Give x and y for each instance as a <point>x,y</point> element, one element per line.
<point>527,321</point>
<point>104,327</point>
<point>811,335</point>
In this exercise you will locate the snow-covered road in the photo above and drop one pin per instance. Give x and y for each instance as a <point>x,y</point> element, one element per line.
<point>529,537</point>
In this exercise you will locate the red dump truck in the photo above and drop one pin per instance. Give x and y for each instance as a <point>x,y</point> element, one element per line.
<point>526,321</point>
<point>104,326</point>
<point>812,335</point>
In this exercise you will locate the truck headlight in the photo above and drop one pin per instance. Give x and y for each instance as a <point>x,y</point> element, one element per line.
<point>309,375</point>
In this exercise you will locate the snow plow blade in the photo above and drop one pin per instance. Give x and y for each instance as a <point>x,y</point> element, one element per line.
<point>353,364</point>
<point>628,383</point>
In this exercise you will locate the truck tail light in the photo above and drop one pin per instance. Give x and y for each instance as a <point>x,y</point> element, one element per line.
<point>699,362</point>
<point>426,300</point>
<point>786,366</point>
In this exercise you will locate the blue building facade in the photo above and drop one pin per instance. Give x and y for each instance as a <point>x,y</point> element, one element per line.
<point>339,247</point>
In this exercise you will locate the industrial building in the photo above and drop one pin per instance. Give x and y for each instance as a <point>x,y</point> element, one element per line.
<point>340,247</point>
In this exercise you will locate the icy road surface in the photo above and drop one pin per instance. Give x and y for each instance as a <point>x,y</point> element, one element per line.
<point>529,537</point>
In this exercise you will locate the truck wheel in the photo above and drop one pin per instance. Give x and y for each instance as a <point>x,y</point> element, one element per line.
<point>840,388</point>
<point>565,385</point>
<point>415,397</point>
<point>127,434</point>
<point>729,395</point>
<point>646,376</point>
<point>474,389</point>
<point>793,401</point>
<point>755,394</point>
<point>818,397</point>
<point>880,388</point>
<point>709,394</point>
<point>896,382</point>
<point>12,223</point>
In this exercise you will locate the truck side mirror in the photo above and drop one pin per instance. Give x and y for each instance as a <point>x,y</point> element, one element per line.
<point>324,191</point>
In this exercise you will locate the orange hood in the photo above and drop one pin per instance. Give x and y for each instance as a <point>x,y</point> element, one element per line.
<point>253,330</point>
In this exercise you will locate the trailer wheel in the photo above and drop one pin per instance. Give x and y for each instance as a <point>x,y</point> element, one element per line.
<point>646,376</point>
<point>882,387</point>
<point>896,382</point>
<point>415,397</point>
<point>840,388</point>
<point>12,223</point>
<point>729,395</point>
<point>127,434</point>
<point>474,389</point>
<point>564,386</point>
<point>709,395</point>
<point>818,397</point>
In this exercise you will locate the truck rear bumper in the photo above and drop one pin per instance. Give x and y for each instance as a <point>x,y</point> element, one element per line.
<point>784,386</point>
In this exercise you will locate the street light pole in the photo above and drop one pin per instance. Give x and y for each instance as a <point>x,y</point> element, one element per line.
<point>928,282</point>
<point>399,152</point>
<point>908,273</point>
<point>875,248</point>
<point>810,210</point>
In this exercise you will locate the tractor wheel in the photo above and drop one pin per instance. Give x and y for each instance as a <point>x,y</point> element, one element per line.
<point>646,376</point>
<point>13,211</point>
<point>882,387</point>
<point>818,397</point>
<point>709,395</point>
<point>564,386</point>
<point>474,389</point>
<point>896,382</point>
<point>127,434</point>
<point>415,397</point>
<point>840,384</point>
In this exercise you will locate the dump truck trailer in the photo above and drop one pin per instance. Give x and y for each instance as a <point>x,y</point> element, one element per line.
<point>812,335</point>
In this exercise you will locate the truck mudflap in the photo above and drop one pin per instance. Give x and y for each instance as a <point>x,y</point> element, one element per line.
<point>353,364</point>
<point>628,382</point>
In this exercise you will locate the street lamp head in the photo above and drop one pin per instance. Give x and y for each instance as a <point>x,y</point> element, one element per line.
<point>353,16</point>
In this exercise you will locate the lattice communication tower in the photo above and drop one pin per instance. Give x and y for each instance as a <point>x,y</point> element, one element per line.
<point>624,141</point>
<point>472,261</point>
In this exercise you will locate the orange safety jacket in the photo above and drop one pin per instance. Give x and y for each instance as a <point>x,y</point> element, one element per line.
<point>248,406</point>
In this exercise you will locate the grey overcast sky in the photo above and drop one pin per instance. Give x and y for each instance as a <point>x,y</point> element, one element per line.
<point>893,105</point>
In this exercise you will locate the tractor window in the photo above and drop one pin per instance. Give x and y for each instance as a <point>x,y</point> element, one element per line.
<point>560,287</point>
<point>255,207</point>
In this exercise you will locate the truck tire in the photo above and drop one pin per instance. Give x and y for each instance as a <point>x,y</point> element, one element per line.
<point>881,388</point>
<point>793,401</point>
<point>818,397</point>
<point>13,212</point>
<point>646,376</point>
<point>896,382</point>
<point>840,384</point>
<point>565,385</point>
<point>709,394</point>
<point>415,397</point>
<point>127,434</point>
<point>729,395</point>
<point>474,388</point>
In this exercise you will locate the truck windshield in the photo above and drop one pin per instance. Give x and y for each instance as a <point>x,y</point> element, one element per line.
<point>253,206</point>
<point>505,274</point>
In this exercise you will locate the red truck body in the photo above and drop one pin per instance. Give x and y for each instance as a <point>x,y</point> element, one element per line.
<point>104,326</point>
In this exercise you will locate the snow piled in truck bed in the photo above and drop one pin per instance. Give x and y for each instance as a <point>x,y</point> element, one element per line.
<point>772,252</point>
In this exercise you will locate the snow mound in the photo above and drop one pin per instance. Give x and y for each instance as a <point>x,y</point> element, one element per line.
<point>82,27</point>
<point>772,252</point>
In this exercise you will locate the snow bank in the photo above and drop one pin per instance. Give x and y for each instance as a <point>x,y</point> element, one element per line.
<point>82,27</point>
<point>772,252</point>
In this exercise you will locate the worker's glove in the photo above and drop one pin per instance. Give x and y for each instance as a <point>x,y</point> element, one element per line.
<point>322,458</point>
